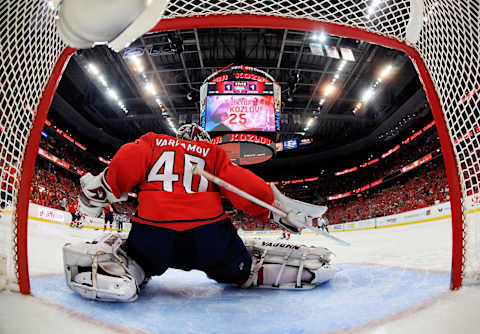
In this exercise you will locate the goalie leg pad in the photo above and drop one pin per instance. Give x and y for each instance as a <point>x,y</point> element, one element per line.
<point>284,265</point>
<point>101,270</point>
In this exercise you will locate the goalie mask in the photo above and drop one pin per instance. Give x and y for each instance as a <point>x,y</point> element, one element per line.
<point>192,132</point>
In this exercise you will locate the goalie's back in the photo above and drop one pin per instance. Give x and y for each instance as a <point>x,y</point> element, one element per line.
<point>171,195</point>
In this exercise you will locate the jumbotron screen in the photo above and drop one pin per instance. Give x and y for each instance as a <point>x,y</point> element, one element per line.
<point>240,106</point>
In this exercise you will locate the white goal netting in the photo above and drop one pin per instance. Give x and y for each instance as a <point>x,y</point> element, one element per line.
<point>441,36</point>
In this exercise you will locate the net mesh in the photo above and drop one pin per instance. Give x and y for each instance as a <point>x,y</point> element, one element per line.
<point>448,44</point>
<point>29,48</point>
<point>388,18</point>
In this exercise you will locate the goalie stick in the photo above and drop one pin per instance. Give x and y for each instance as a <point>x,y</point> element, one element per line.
<point>257,201</point>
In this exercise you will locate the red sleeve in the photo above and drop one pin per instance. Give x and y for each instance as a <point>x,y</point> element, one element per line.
<point>129,165</point>
<point>107,208</point>
<point>245,180</point>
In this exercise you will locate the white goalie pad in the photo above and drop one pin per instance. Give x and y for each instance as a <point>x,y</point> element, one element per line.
<point>101,270</point>
<point>300,214</point>
<point>315,260</point>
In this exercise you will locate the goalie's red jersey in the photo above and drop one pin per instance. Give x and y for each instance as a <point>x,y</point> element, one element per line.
<point>170,195</point>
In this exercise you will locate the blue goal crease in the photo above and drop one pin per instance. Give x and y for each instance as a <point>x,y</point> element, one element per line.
<point>190,302</point>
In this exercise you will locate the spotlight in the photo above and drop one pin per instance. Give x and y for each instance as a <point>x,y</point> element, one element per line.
<point>193,96</point>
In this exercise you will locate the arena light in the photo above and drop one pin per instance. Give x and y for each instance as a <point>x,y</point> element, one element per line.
<point>113,94</point>
<point>342,65</point>
<point>310,122</point>
<point>102,80</point>
<point>137,63</point>
<point>51,4</point>
<point>135,59</point>
<point>367,95</point>
<point>149,87</point>
<point>385,72</point>
<point>335,77</point>
<point>373,6</point>
<point>320,37</point>
<point>92,68</point>
<point>329,89</point>
<point>322,101</point>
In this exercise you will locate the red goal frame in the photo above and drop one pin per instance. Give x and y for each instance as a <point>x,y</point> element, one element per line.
<point>254,21</point>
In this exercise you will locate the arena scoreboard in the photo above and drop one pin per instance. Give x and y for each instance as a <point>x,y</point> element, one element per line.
<point>242,99</point>
<point>240,108</point>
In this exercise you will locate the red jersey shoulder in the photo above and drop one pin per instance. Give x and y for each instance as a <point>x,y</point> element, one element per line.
<point>150,138</point>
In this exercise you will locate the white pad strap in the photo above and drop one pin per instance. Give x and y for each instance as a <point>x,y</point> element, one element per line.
<point>272,276</point>
<point>101,270</point>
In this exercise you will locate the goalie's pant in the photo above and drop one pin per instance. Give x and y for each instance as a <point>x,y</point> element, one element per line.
<point>108,218</point>
<point>215,249</point>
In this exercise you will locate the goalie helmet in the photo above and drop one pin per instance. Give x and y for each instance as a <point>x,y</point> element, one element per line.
<point>193,131</point>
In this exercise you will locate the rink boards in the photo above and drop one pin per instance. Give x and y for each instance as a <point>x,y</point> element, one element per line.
<point>428,214</point>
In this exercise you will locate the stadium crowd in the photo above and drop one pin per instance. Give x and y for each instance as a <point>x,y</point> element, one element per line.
<point>56,187</point>
<point>425,186</point>
<point>71,154</point>
<point>412,151</point>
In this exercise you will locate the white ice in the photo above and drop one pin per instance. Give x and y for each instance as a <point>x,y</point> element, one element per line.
<point>425,247</point>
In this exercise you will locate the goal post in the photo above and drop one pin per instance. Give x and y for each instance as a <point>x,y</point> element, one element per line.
<point>440,37</point>
<point>28,166</point>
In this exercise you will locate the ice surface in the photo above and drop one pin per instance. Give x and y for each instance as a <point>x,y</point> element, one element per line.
<point>393,280</point>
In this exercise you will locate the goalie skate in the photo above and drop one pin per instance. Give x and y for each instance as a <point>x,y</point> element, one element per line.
<point>313,260</point>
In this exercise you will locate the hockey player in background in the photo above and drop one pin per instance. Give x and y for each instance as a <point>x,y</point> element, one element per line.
<point>108,217</point>
<point>180,223</point>
<point>120,220</point>
<point>73,209</point>
<point>324,224</point>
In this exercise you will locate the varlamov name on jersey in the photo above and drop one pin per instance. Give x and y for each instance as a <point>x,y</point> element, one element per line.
<point>187,146</point>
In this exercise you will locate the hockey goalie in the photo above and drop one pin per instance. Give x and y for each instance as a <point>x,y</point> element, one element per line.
<point>180,222</point>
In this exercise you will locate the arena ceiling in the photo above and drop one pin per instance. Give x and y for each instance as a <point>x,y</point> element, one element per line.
<point>175,64</point>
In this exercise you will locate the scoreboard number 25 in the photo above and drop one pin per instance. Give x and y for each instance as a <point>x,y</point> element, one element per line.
<point>237,118</point>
